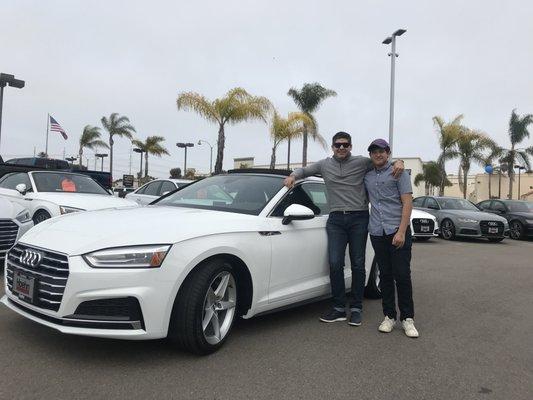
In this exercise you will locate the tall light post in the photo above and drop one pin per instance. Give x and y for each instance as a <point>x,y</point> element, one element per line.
<point>210,157</point>
<point>141,151</point>
<point>7,80</point>
<point>392,55</point>
<point>102,156</point>
<point>520,168</point>
<point>184,146</point>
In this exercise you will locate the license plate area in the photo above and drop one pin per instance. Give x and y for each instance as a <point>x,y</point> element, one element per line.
<point>424,228</point>
<point>493,230</point>
<point>24,286</point>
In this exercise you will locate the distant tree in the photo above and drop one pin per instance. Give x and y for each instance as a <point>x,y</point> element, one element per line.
<point>289,128</point>
<point>236,106</point>
<point>308,100</point>
<point>175,173</point>
<point>493,155</point>
<point>431,176</point>
<point>153,146</point>
<point>90,139</point>
<point>518,132</point>
<point>448,135</point>
<point>119,126</point>
<point>190,174</point>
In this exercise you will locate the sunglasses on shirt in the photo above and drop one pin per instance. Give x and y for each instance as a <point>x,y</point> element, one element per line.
<point>338,145</point>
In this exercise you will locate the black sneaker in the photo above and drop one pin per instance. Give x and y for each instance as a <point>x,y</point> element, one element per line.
<point>333,316</point>
<point>355,318</point>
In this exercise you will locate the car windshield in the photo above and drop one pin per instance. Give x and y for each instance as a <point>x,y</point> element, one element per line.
<point>239,193</point>
<point>58,182</point>
<point>456,204</point>
<point>520,206</point>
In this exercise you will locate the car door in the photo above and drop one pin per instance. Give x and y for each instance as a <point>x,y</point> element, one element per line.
<point>8,184</point>
<point>299,249</point>
<point>431,206</point>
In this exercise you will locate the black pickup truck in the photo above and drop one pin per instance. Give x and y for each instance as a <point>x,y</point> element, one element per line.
<point>37,163</point>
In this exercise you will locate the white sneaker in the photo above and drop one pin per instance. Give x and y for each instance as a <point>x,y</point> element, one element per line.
<point>409,328</point>
<point>387,325</point>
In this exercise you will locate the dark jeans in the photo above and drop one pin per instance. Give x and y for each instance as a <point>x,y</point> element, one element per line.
<point>347,229</point>
<point>395,266</point>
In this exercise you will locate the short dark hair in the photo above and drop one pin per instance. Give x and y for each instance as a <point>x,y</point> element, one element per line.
<point>341,135</point>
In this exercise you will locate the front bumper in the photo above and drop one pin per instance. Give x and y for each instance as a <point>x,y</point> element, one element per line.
<point>153,290</point>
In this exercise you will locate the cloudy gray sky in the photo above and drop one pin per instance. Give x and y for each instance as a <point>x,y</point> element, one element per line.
<point>85,59</point>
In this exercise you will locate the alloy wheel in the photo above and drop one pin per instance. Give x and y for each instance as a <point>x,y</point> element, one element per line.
<point>447,230</point>
<point>219,307</point>
<point>516,230</point>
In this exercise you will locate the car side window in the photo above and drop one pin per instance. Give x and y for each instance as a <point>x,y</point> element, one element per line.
<point>317,193</point>
<point>418,202</point>
<point>12,180</point>
<point>297,195</point>
<point>498,206</point>
<point>432,203</point>
<point>167,186</point>
<point>152,189</point>
<point>485,205</point>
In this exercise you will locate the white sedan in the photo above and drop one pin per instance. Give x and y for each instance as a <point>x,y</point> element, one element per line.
<point>48,194</point>
<point>238,244</point>
<point>15,221</point>
<point>155,189</point>
<point>424,226</point>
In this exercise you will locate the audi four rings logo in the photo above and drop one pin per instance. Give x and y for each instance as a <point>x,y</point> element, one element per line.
<point>31,258</point>
<point>491,223</point>
<point>424,221</point>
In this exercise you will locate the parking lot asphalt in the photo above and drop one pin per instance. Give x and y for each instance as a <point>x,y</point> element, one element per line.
<point>473,304</point>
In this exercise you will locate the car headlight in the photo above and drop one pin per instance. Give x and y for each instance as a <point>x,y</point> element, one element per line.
<point>128,257</point>
<point>68,210</point>
<point>23,216</point>
<point>468,220</point>
<point>529,221</point>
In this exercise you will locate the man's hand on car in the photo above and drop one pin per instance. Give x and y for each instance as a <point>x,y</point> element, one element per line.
<point>289,181</point>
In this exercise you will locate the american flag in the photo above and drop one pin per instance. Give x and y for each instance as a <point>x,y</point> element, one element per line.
<point>54,126</point>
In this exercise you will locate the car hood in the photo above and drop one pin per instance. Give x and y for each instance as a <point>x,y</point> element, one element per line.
<point>479,215</point>
<point>84,201</point>
<point>9,209</point>
<point>80,233</point>
<point>421,214</point>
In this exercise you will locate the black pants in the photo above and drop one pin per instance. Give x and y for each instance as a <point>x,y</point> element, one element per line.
<point>395,266</point>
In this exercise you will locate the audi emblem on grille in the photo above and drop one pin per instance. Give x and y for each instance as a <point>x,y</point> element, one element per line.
<point>492,223</point>
<point>424,221</point>
<point>31,258</point>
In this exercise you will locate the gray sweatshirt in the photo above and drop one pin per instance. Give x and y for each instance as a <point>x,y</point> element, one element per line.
<point>344,180</point>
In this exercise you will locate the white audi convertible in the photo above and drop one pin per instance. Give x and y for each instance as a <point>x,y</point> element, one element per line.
<point>238,244</point>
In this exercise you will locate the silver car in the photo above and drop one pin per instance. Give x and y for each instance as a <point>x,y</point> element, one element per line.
<point>155,189</point>
<point>460,217</point>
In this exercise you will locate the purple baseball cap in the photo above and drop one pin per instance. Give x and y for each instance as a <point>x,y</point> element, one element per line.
<point>380,144</point>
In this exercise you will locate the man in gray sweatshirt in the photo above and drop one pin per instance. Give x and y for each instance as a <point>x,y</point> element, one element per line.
<point>347,223</point>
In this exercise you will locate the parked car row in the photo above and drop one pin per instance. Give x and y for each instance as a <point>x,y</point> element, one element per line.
<point>196,258</point>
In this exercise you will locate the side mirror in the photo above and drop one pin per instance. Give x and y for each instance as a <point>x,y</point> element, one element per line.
<point>21,188</point>
<point>296,212</point>
<point>164,193</point>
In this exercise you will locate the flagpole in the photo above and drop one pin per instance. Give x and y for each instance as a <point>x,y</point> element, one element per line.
<point>47,127</point>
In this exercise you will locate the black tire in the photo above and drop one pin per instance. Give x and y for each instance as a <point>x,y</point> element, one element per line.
<point>495,240</point>
<point>372,289</point>
<point>40,216</point>
<point>516,230</point>
<point>185,329</point>
<point>422,238</point>
<point>447,230</point>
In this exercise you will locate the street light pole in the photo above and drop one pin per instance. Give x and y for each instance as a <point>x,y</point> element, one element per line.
<point>6,79</point>
<point>102,156</point>
<point>141,151</point>
<point>184,146</point>
<point>520,168</point>
<point>393,55</point>
<point>211,154</point>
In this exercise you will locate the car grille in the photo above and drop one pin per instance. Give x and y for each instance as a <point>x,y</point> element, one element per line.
<point>418,223</point>
<point>485,225</point>
<point>50,275</point>
<point>8,234</point>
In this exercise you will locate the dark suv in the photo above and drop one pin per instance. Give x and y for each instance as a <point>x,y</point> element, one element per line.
<point>519,214</point>
<point>48,163</point>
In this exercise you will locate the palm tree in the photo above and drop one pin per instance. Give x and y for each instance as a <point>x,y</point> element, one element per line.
<point>494,154</point>
<point>308,100</point>
<point>518,131</point>
<point>448,134</point>
<point>286,129</point>
<point>152,145</point>
<point>91,139</point>
<point>116,125</point>
<point>236,106</point>
<point>431,176</point>
<point>471,147</point>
